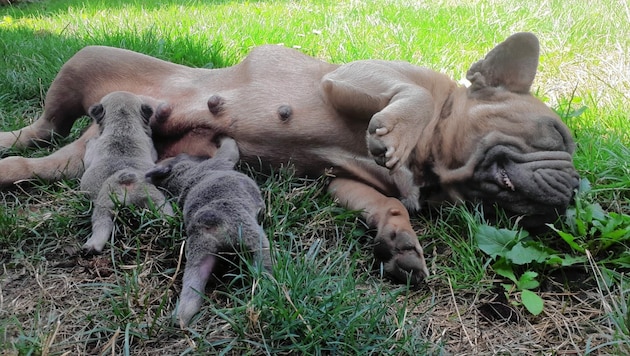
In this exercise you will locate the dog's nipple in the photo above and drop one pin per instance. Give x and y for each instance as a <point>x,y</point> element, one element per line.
<point>215,104</point>
<point>285,112</point>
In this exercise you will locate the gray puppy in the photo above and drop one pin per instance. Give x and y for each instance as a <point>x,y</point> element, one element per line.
<point>221,208</point>
<point>116,160</point>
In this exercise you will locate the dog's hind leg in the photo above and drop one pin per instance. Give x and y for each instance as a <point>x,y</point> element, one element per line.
<point>395,244</point>
<point>63,106</point>
<point>158,200</point>
<point>196,275</point>
<point>255,240</point>
<point>66,162</point>
<point>82,81</point>
<point>102,224</point>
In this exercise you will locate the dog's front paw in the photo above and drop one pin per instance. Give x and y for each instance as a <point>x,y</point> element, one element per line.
<point>401,255</point>
<point>389,141</point>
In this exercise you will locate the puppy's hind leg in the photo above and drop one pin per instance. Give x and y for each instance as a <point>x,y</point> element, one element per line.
<point>141,192</point>
<point>196,275</point>
<point>257,242</point>
<point>159,200</point>
<point>102,224</point>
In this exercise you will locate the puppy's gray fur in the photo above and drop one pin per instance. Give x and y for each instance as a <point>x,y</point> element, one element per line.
<point>115,163</point>
<point>220,209</point>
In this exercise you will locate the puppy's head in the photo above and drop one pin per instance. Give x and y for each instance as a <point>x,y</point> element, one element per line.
<point>499,145</point>
<point>122,111</point>
<point>167,173</point>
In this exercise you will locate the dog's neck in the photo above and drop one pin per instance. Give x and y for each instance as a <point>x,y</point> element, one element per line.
<point>423,159</point>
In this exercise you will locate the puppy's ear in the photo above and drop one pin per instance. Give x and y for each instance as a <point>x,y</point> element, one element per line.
<point>158,172</point>
<point>511,65</point>
<point>146,111</point>
<point>97,112</point>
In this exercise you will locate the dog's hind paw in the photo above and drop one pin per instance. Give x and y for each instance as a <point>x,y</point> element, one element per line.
<point>89,249</point>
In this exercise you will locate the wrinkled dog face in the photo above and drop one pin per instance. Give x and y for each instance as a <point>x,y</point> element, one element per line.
<point>507,148</point>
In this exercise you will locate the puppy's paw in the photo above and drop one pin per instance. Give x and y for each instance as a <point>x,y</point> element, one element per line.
<point>90,248</point>
<point>96,243</point>
<point>187,308</point>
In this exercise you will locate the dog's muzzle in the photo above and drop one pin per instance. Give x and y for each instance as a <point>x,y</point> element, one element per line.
<point>538,183</point>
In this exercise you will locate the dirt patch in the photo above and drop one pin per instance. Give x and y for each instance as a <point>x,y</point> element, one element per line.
<point>72,305</point>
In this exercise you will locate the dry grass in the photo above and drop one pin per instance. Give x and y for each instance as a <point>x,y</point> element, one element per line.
<point>61,303</point>
<point>54,303</point>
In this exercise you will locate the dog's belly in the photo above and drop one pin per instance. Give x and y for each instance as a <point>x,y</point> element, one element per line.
<point>272,104</point>
<point>313,139</point>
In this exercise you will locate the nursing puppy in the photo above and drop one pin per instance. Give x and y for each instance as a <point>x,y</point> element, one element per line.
<point>115,162</point>
<point>220,209</point>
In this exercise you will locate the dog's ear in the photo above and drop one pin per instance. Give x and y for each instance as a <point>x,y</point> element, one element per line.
<point>97,112</point>
<point>158,172</point>
<point>146,111</point>
<point>511,65</point>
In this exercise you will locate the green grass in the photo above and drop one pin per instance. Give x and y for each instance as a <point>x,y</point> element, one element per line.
<point>325,296</point>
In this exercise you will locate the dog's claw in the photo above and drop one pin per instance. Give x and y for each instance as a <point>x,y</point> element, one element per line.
<point>381,131</point>
<point>90,250</point>
<point>390,152</point>
<point>391,164</point>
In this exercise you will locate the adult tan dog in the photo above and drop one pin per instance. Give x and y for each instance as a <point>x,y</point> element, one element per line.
<point>393,135</point>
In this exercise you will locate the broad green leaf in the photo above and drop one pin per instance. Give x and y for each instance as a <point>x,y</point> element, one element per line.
<point>564,260</point>
<point>555,260</point>
<point>617,235</point>
<point>568,238</point>
<point>585,186</point>
<point>521,255</point>
<point>581,227</point>
<point>572,260</point>
<point>528,281</point>
<point>532,302</point>
<point>495,242</point>
<point>596,212</point>
<point>503,268</point>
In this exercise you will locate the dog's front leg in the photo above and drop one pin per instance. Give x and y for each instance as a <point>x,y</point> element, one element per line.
<point>398,107</point>
<point>66,162</point>
<point>396,244</point>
